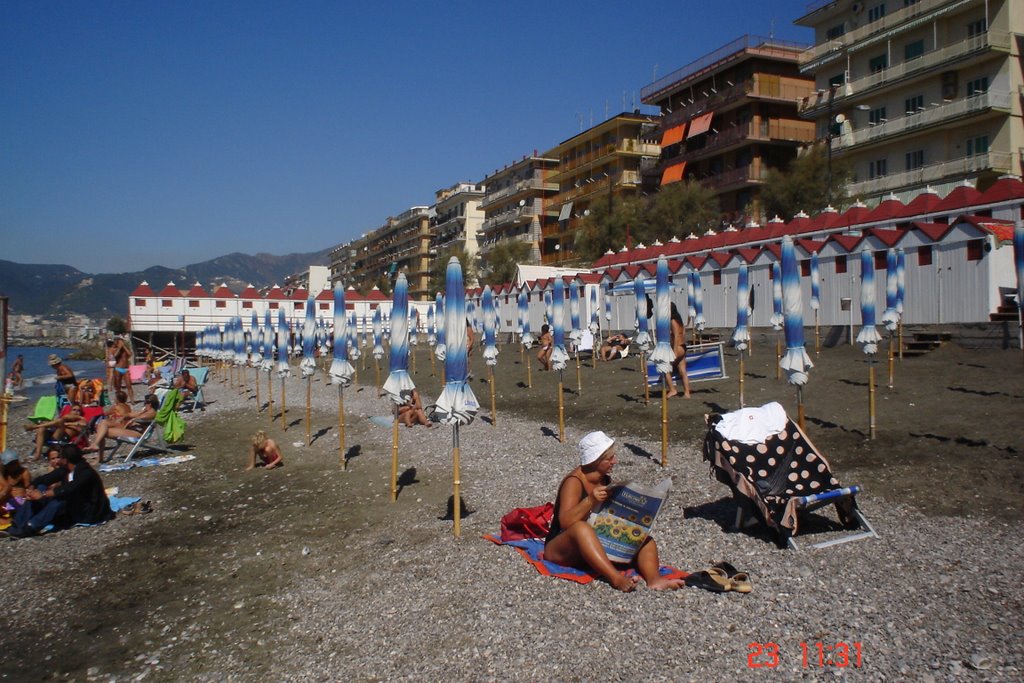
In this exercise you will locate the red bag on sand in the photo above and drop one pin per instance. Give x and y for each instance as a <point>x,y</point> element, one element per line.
<point>524,523</point>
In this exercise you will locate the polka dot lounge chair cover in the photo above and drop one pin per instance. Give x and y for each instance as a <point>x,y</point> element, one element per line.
<point>774,475</point>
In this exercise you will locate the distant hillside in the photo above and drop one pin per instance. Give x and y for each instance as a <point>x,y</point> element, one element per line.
<point>54,289</point>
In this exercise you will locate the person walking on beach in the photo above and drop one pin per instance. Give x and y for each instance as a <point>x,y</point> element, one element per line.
<point>572,542</point>
<point>266,450</point>
<point>547,346</point>
<point>678,341</point>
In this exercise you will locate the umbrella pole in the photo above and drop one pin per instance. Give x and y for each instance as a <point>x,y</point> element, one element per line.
<point>664,421</point>
<point>643,378</point>
<point>871,398</point>
<point>561,411</point>
<point>5,402</point>
<point>899,327</point>
<point>309,394</point>
<point>741,380</point>
<point>284,424</point>
<point>579,383</point>
<point>457,483</point>
<point>412,355</point>
<point>494,412</point>
<point>891,357</point>
<point>270,398</point>
<point>529,377</point>
<point>778,357</point>
<point>800,407</point>
<point>433,370</point>
<point>341,427</point>
<point>394,457</point>
<point>258,407</point>
<point>817,339</point>
<point>376,366</point>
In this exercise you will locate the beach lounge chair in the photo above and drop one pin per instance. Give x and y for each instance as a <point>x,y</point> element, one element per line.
<point>586,348</point>
<point>151,440</point>
<point>703,362</point>
<point>196,401</point>
<point>45,410</point>
<point>777,475</point>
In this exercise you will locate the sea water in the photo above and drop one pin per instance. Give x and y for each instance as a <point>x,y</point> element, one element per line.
<point>39,377</point>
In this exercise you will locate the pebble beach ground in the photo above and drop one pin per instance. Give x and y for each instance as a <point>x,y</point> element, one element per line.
<point>312,573</point>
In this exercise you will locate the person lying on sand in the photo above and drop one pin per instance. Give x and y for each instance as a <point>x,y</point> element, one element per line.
<point>266,450</point>
<point>572,542</point>
<point>612,348</point>
<point>411,412</point>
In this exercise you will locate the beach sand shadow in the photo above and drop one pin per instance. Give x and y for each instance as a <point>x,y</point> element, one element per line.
<point>628,398</point>
<point>723,513</point>
<point>318,434</point>
<point>449,514</point>
<point>640,452</point>
<point>352,453</point>
<point>853,383</point>
<point>979,392</point>
<point>548,431</point>
<point>522,385</point>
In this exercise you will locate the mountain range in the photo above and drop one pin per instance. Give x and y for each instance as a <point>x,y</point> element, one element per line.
<point>49,289</point>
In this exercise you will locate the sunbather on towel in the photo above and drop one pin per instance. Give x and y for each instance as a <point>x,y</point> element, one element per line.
<point>411,412</point>
<point>266,450</point>
<point>133,426</point>
<point>572,541</point>
<point>612,349</point>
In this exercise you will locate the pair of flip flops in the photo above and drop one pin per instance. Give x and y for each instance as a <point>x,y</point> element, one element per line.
<point>721,577</point>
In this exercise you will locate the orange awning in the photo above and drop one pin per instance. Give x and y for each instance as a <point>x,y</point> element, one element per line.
<point>673,135</point>
<point>701,124</point>
<point>673,173</point>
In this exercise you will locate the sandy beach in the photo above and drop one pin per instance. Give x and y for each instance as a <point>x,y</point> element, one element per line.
<point>310,572</point>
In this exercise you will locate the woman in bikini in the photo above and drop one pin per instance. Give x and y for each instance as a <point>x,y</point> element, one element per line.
<point>547,345</point>
<point>572,541</point>
<point>266,450</point>
<point>411,412</point>
<point>132,425</point>
<point>678,340</point>
<point>122,360</point>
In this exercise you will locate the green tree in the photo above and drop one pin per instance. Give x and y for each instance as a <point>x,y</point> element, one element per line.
<point>804,185</point>
<point>681,208</point>
<point>501,263</point>
<point>605,228</point>
<point>440,266</point>
<point>117,325</point>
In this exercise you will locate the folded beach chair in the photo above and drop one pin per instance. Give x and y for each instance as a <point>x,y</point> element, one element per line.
<point>703,362</point>
<point>776,474</point>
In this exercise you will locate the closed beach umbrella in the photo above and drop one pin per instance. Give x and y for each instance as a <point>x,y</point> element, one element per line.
<point>595,322</point>
<point>440,350</point>
<point>490,319</point>
<point>608,305</point>
<point>777,318</point>
<point>431,333</point>
<point>891,316</point>
<point>308,365</point>
<point>691,298</point>
<point>815,298</point>
<point>241,357</point>
<point>282,360</point>
<point>399,385</point>
<point>378,334</point>
<point>268,343</point>
<point>868,335</point>
<point>663,355</point>
<point>471,313</point>
<point>901,277</point>
<point>255,342</point>
<point>457,405</point>
<point>558,354</point>
<point>698,303</point>
<point>549,314</point>
<point>576,331</point>
<point>414,327</point>
<point>796,362</point>
<point>643,338</point>
<point>341,371</point>
<point>741,335</point>
<point>353,338</point>
<point>524,318</point>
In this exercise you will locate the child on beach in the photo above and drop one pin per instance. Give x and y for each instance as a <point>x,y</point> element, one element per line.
<point>572,541</point>
<point>266,450</point>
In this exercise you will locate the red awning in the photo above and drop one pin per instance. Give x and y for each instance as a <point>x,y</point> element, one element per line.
<point>701,124</point>
<point>673,135</point>
<point>673,173</point>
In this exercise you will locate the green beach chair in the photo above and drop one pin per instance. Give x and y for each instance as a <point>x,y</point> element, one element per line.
<point>45,410</point>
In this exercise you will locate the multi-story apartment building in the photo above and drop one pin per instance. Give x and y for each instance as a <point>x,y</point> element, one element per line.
<point>728,117</point>
<point>916,93</point>
<point>517,203</point>
<point>457,219</point>
<point>600,164</point>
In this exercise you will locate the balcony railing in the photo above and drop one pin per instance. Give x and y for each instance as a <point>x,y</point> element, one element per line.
<point>935,58</point>
<point>927,117</point>
<point>794,131</point>
<point>1000,162</point>
<point>516,188</point>
<point>514,216</point>
<point>763,88</point>
<point>752,173</point>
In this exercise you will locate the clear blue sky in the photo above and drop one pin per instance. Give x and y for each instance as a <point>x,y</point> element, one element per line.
<point>165,133</point>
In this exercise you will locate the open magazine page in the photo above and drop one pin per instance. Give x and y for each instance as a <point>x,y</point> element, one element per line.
<point>624,521</point>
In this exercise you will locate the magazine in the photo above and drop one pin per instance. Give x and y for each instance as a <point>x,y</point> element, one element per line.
<point>624,520</point>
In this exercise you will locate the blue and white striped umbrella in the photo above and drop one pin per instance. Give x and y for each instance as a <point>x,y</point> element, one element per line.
<point>255,341</point>
<point>795,361</point>
<point>241,357</point>
<point>891,317</point>
<point>353,338</point>
<point>595,321</point>
<point>608,304</point>
<point>325,336</point>
<point>308,364</point>
<point>524,317</point>
<point>663,355</point>
<point>414,327</point>
<point>868,335</point>
<point>777,318</point>
<point>549,313</point>
<point>471,313</point>
<point>431,329</point>
<point>643,339</point>
<point>282,345</point>
<point>441,350</point>
<point>691,297</point>
<point>399,385</point>
<point>698,302</point>
<point>268,342</point>
<point>378,343</point>
<point>815,283</point>
<point>457,405</point>
<point>741,335</point>
<point>558,353</point>
<point>1018,260</point>
<point>341,371</point>
<point>490,320</point>
<point>366,331</point>
<point>901,279</point>
<point>576,332</point>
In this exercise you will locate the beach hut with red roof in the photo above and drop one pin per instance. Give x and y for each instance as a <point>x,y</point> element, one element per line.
<point>958,201</point>
<point>920,206</point>
<point>887,212</point>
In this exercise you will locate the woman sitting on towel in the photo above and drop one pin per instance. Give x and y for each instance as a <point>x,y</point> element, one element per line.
<point>411,412</point>
<point>572,541</point>
<point>266,450</point>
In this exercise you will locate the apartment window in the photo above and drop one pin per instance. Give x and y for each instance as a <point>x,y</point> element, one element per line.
<point>222,304</point>
<point>975,250</point>
<point>978,145</point>
<point>879,63</point>
<point>913,105</point>
<point>840,265</point>
<point>978,86</point>
<point>876,12</point>
<point>140,302</point>
<point>192,303</point>
<point>976,28</point>
<point>835,32</point>
<point>913,50</point>
<point>877,116</point>
<point>879,168</point>
<point>915,159</point>
<point>908,3</point>
<point>716,277</point>
<point>924,255</point>
<point>837,80</point>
